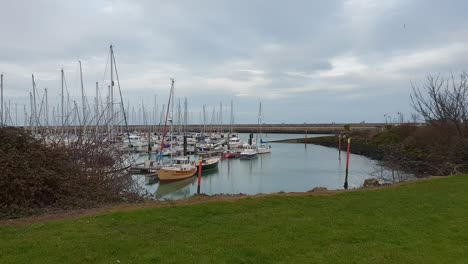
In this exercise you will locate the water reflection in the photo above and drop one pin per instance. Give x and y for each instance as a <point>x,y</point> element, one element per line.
<point>177,189</point>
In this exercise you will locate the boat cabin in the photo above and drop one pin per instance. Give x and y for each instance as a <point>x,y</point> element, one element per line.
<point>182,160</point>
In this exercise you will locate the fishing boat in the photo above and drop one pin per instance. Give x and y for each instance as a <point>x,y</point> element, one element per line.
<point>181,168</point>
<point>248,153</point>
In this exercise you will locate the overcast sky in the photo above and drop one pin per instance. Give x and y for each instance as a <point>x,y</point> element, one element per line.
<point>307,61</point>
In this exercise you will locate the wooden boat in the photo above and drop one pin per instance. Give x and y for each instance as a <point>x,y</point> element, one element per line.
<point>210,163</point>
<point>180,169</point>
<point>181,187</point>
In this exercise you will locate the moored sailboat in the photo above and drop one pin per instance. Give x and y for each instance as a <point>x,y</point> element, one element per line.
<point>210,163</point>
<point>265,147</point>
<point>181,167</point>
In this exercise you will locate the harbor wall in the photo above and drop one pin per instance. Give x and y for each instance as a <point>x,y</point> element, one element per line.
<point>248,128</point>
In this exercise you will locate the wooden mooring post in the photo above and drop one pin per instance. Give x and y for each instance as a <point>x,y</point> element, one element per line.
<point>347,164</point>
<point>199,176</point>
<point>305,139</point>
<point>339,147</point>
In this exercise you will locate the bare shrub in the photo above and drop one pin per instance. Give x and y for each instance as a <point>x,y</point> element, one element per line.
<point>441,101</point>
<point>424,150</point>
<point>47,173</point>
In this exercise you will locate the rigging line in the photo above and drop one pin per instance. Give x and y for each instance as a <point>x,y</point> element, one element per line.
<point>104,76</point>
<point>65,84</point>
<point>121,98</point>
<point>102,82</point>
<point>41,108</point>
<point>36,117</point>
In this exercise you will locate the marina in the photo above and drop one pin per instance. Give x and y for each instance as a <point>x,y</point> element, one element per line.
<point>233,132</point>
<point>164,146</point>
<point>289,167</point>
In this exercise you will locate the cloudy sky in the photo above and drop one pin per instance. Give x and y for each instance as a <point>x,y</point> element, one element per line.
<point>307,61</point>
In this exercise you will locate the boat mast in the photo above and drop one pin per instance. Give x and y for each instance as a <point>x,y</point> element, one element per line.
<point>120,94</point>
<point>108,117</point>
<point>34,103</point>
<point>83,102</point>
<point>96,107</point>
<point>172,117</point>
<point>16,114</point>
<point>46,109</point>
<point>155,115</point>
<point>179,114</point>
<point>204,120</point>
<point>185,116</point>
<point>1,100</point>
<point>62,114</point>
<point>111,91</point>
<point>220,117</point>
<point>25,117</point>
<point>31,114</point>
<point>259,121</point>
<point>167,114</point>
<point>232,116</point>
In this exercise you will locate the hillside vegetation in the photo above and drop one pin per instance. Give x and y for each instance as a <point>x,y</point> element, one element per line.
<point>423,150</point>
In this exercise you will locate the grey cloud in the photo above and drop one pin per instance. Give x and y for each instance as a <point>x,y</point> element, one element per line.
<point>274,50</point>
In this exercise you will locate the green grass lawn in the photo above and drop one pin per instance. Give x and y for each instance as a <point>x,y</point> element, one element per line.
<point>423,222</point>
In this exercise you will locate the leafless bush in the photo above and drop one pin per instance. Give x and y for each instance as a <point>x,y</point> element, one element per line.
<point>443,100</point>
<point>61,171</point>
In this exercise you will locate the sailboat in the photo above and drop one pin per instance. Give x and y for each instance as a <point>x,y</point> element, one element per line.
<point>233,142</point>
<point>210,163</point>
<point>263,148</point>
<point>181,167</point>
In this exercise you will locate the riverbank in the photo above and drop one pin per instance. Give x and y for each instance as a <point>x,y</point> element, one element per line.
<point>418,222</point>
<point>359,146</point>
<point>420,150</point>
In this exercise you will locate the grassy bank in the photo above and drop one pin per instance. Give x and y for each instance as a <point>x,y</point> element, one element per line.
<point>422,222</point>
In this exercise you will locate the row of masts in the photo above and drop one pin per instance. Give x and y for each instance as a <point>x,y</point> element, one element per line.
<point>78,113</point>
<point>69,112</point>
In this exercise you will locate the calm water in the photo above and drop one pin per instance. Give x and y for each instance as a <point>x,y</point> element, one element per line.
<point>288,168</point>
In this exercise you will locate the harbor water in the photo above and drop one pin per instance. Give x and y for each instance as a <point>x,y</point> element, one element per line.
<point>290,167</point>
